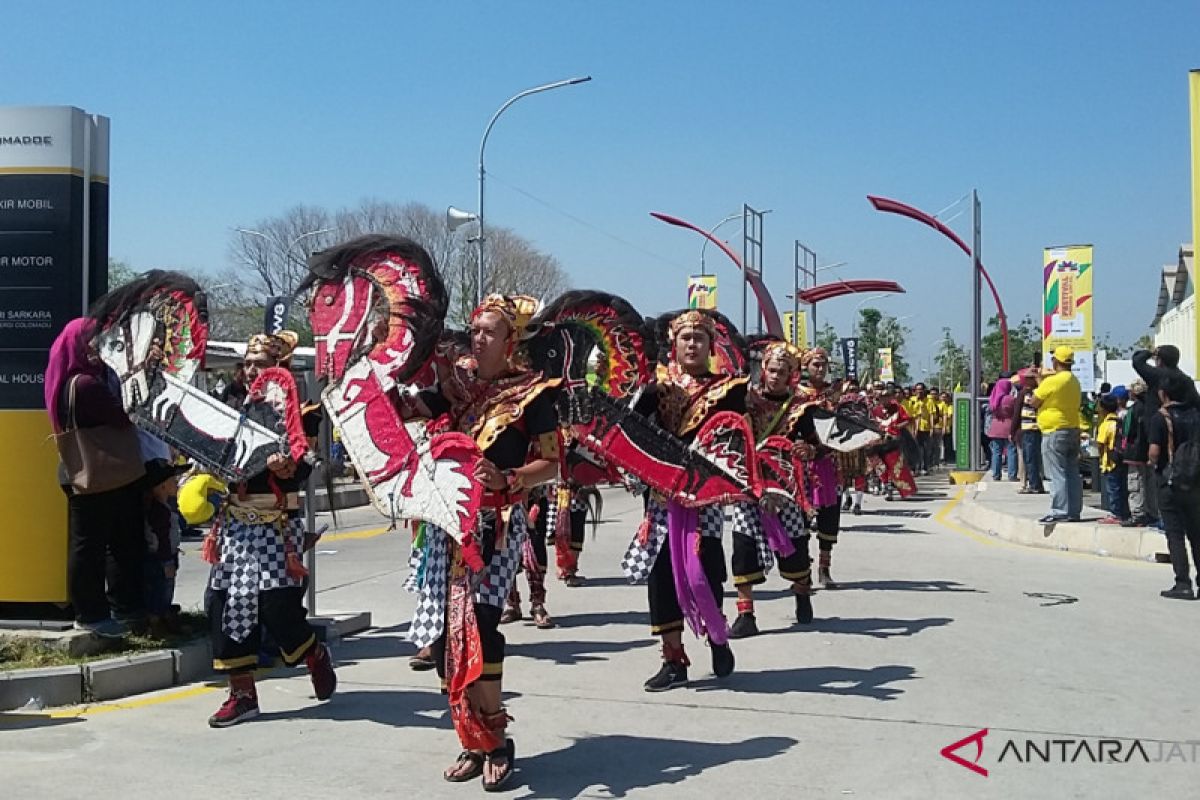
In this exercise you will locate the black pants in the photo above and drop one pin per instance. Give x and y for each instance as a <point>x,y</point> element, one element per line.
<point>1181,517</point>
<point>665,613</point>
<point>748,569</point>
<point>106,543</point>
<point>923,450</point>
<point>491,641</point>
<point>280,611</point>
<point>828,522</point>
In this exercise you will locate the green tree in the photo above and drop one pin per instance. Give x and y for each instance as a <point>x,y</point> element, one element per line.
<point>878,330</point>
<point>827,337</point>
<point>953,362</point>
<point>1024,346</point>
<point>119,273</point>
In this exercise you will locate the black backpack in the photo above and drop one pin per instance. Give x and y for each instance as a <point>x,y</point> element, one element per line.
<point>1183,467</point>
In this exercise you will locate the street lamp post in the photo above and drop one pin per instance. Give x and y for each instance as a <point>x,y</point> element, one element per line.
<point>739,215</point>
<point>482,173</point>
<point>286,251</point>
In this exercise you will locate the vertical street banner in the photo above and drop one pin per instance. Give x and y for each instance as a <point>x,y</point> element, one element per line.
<point>702,291</point>
<point>962,431</point>
<point>1067,275</point>
<point>275,315</point>
<point>886,373</point>
<point>795,327</point>
<point>850,358</point>
<point>53,263</point>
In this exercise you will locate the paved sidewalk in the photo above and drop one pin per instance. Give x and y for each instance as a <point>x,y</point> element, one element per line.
<point>996,508</point>
<point>935,635</point>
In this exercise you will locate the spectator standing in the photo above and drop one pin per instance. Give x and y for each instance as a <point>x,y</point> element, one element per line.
<point>1028,436</point>
<point>1057,400</point>
<point>1002,405</point>
<point>1177,423</point>
<point>1135,453</point>
<point>1112,469</point>
<point>947,404</point>
<point>162,544</point>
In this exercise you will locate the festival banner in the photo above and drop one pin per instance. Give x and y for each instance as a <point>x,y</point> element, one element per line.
<point>886,373</point>
<point>702,291</point>
<point>1067,306</point>
<point>850,358</point>
<point>795,327</point>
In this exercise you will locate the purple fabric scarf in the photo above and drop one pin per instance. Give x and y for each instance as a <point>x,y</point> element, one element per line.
<point>696,599</point>
<point>777,537</point>
<point>824,487</point>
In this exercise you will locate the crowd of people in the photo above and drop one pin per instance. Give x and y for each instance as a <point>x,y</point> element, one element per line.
<point>124,530</point>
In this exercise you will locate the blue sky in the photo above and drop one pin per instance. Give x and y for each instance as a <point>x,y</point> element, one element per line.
<point>1069,118</point>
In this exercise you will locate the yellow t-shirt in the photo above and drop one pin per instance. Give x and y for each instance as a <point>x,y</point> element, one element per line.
<point>1060,396</point>
<point>922,412</point>
<point>1106,438</point>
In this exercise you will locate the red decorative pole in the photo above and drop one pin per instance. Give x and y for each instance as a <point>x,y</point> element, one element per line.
<point>765,304</point>
<point>905,210</point>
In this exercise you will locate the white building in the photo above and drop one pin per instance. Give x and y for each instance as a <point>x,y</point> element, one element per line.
<point>1175,319</point>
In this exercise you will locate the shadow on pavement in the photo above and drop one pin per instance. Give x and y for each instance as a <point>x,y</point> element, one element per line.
<point>907,586</point>
<point>364,648</point>
<point>875,627</point>
<point>395,708</point>
<point>896,527</point>
<point>571,652</point>
<point>20,722</point>
<point>602,618</point>
<point>619,765</point>
<point>589,583</point>
<point>870,683</point>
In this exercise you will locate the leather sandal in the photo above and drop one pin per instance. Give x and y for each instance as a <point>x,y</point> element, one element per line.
<point>541,617</point>
<point>509,754</point>
<point>465,757</point>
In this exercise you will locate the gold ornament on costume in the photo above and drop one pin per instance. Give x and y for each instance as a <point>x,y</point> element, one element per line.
<point>278,346</point>
<point>784,352</point>
<point>694,319</point>
<point>812,355</point>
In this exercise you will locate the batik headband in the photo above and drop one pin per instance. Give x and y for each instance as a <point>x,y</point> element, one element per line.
<point>694,319</point>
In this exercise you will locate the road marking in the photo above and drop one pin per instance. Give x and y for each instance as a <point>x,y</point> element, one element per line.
<point>370,533</point>
<point>942,517</point>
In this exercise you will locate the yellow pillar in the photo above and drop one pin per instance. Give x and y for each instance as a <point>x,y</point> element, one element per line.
<point>33,533</point>
<point>1194,97</point>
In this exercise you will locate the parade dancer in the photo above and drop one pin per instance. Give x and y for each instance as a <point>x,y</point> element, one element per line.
<point>664,551</point>
<point>821,475</point>
<point>774,410</point>
<point>509,411</point>
<point>257,578</point>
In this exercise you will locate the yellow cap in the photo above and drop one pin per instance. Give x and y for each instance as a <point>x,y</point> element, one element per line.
<point>193,500</point>
<point>1064,354</point>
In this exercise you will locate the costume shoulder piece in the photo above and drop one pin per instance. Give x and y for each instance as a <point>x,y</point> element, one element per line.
<point>684,402</point>
<point>502,404</point>
<point>774,417</point>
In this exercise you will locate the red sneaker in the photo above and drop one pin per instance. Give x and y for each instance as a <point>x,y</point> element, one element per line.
<point>241,705</point>
<point>320,669</point>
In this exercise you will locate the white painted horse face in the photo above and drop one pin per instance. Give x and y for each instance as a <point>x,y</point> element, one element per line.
<point>124,348</point>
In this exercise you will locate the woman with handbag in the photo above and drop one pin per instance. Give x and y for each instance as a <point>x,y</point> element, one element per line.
<point>100,472</point>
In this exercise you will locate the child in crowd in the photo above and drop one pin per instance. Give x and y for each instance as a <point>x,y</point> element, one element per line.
<point>162,545</point>
<point>1112,470</point>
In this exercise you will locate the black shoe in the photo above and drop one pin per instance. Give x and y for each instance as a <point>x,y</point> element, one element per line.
<point>858,509</point>
<point>848,503</point>
<point>745,625</point>
<point>670,676</point>
<point>722,660</point>
<point>1180,591</point>
<point>804,612</point>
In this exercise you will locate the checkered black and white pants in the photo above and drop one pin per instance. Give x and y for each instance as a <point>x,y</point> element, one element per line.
<point>500,570</point>
<point>640,556</point>
<point>252,558</point>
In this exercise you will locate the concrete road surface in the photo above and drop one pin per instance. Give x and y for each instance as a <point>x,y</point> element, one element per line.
<point>936,635</point>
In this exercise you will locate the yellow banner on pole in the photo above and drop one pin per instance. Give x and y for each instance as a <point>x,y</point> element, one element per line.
<point>886,373</point>
<point>702,291</point>
<point>1067,306</point>
<point>795,327</point>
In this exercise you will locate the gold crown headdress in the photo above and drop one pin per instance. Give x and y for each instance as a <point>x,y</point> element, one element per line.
<point>694,319</point>
<point>786,352</point>
<point>278,346</point>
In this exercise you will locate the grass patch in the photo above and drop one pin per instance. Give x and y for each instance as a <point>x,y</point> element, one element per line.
<point>23,653</point>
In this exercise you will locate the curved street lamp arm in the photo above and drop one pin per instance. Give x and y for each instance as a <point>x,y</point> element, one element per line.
<point>765,303</point>
<point>890,206</point>
<point>543,88</point>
